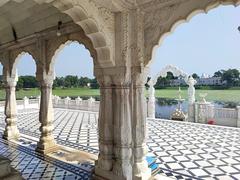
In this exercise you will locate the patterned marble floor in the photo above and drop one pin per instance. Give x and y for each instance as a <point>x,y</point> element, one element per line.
<point>33,165</point>
<point>183,150</point>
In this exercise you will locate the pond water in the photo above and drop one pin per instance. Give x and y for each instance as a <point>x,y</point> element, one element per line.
<point>165,107</point>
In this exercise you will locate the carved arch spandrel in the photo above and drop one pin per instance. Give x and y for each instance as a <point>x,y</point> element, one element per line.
<point>97,24</point>
<point>159,26</point>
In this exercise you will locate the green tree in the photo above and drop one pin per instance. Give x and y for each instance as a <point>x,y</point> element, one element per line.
<point>19,83</point>
<point>27,82</point>
<point>195,76</point>
<point>219,73</point>
<point>83,81</point>
<point>164,81</point>
<point>94,84</point>
<point>231,76</point>
<point>71,81</point>
<point>59,82</point>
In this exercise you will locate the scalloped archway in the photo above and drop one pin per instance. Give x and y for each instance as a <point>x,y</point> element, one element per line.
<point>169,68</point>
<point>96,24</point>
<point>86,15</point>
<point>184,13</point>
<point>56,45</point>
<point>18,58</point>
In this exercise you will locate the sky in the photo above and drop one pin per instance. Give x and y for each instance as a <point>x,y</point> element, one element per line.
<point>205,44</point>
<point>74,59</point>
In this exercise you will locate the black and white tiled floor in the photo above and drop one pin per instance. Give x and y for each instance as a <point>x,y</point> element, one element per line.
<point>33,165</point>
<point>183,150</point>
<point>195,150</point>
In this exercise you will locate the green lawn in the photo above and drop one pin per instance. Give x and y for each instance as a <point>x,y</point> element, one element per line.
<point>213,95</point>
<point>219,95</point>
<point>59,92</point>
<point>76,92</point>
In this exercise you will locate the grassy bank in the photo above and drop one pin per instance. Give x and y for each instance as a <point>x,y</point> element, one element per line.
<point>213,95</point>
<point>59,92</point>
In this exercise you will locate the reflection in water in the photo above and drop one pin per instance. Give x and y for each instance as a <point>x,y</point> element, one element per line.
<point>165,107</point>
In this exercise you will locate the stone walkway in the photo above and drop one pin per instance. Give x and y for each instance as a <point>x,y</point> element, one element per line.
<point>183,150</point>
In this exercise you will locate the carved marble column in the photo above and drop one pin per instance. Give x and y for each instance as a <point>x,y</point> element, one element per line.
<point>122,127</point>
<point>11,130</point>
<point>46,143</point>
<point>139,124</point>
<point>105,126</point>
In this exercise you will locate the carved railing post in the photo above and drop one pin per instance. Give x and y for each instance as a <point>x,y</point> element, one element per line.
<point>11,130</point>
<point>151,101</point>
<point>139,124</point>
<point>25,102</point>
<point>238,116</point>
<point>191,98</point>
<point>105,126</point>
<point>46,143</point>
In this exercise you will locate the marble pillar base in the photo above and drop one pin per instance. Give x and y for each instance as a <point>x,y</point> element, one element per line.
<point>47,147</point>
<point>11,133</point>
<point>101,174</point>
<point>145,171</point>
<point>109,175</point>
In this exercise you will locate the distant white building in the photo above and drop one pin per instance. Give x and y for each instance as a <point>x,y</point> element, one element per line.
<point>205,80</point>
<point>177,82</point>
<point>210,81</point>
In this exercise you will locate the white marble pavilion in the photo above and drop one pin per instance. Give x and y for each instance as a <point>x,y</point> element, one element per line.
<point>121,36</point>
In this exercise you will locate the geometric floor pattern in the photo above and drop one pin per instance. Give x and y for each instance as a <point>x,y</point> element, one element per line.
<point>198,151</point>
<point>183,150</point>
<point>33,165</point>
<point>74,128</point>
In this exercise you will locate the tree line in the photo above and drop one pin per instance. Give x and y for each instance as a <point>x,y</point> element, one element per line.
<point>231,77</point>
<point>69,81</point>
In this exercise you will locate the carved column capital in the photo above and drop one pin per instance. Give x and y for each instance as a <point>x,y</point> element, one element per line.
<point>121,80</point>
<point>104,81</point>
<point>11,81</point>
<point>46,80</point>
<point>139,75</point>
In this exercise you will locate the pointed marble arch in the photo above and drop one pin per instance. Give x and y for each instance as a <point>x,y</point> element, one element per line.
<point>99,30</point>
<point>54,46</point>
<point>17,55</point>
<point>191,90</point>
<point>167,21</point>
<point>97,24</point>
<point>169,68</point>
<point>9,59</point>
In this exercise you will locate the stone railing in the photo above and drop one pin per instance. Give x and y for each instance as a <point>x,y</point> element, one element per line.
<point>205,112</point>
<point>86,105</point>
